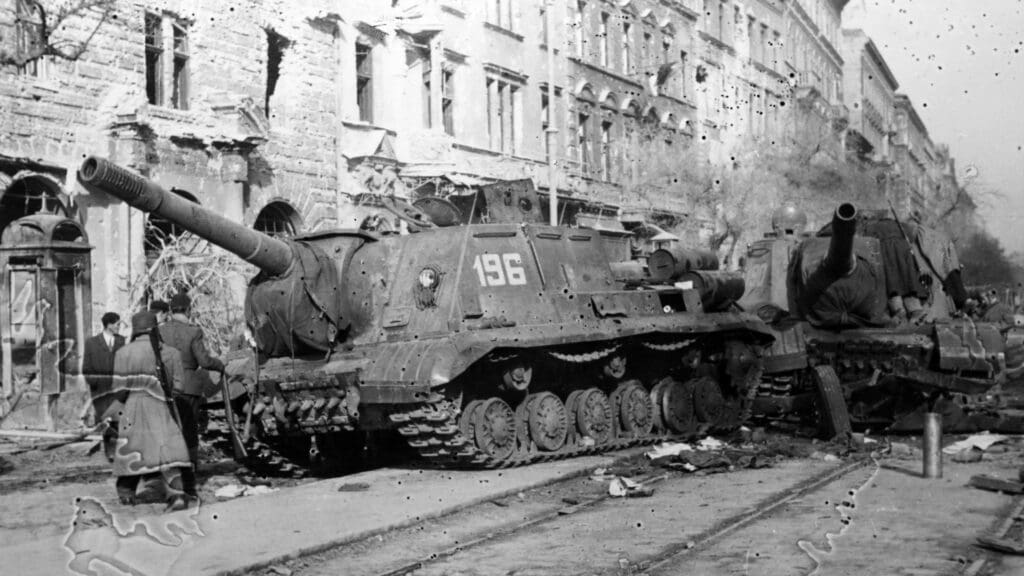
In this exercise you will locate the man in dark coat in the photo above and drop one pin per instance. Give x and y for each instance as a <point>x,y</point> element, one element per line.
<point>150,439</point>
<point>188,339</point>
<point>98,368</point>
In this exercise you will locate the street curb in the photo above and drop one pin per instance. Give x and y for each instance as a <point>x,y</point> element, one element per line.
<point>310,550</point>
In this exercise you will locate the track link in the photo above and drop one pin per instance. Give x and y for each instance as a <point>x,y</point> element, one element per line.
<point>433,431</point>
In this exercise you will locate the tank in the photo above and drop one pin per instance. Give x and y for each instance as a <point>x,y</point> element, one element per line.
<point>482,345</point>
<point>866,314</point>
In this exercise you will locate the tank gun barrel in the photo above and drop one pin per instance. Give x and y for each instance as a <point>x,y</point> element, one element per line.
<point>270,254</point>
<point>841,259</point>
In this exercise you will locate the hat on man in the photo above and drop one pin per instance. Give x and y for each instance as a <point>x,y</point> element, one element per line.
<point>159,306</point>
<point>143,322</point>
<point>180,303</point>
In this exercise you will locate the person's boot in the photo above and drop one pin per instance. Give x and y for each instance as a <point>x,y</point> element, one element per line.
<point>126,487</point>
<point>188,482</point>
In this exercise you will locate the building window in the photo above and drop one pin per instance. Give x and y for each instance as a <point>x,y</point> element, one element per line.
<point>502,114</point>
<point>544,34</point>
<point>154,59</point>
<point>546,113</point>
<point>364,81</point>
<point>606,150</point>
<point>158,52</point>
<point>603,39</point>
<point>499,13</point>
<point>720,21</point>
<point>580,36</point>
<point>648,49</point>
<point>448,101</point>
<point>682,74</point>
<point>583,140</point>
<point>180,79</point>
<point>277,219</point>
<point>28,36</point>
<point>627,48</point>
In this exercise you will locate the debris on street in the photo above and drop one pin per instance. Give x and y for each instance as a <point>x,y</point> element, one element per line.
<point>230,491</point>
<point>980,441</point>
<point>985,482</point>
<point>624,487</point>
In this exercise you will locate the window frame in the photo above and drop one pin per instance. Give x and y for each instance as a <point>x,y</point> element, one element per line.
<point>180,70</point>
<point>364,81</point>
<point>154,66</point>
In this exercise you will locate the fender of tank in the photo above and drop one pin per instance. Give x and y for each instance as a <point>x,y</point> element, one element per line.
<point>482,344</point>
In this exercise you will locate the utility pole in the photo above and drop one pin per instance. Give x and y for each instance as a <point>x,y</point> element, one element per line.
<point>552,130</point>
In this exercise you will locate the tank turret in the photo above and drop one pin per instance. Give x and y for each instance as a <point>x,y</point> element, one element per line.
<point>836,280</point>
<point>311,318</point>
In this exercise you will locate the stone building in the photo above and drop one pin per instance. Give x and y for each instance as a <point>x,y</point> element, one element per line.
<point>918,161</point>
<point>870,91</point>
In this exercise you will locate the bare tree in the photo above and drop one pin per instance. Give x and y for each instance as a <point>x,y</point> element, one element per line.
<point>41,29</point>
<point>211,276</point>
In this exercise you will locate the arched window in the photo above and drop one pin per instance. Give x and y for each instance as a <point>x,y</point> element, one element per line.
<point>27,195</point>
<point>278,219</point>
<point>161,233</point>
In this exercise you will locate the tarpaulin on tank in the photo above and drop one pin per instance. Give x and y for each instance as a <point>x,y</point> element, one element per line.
<point>299,310</point>
<point>829,300</point>
<point>899,267</point>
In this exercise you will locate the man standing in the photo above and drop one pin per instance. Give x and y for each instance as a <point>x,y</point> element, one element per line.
<point>161,309</point>
<point>149,438</point>
<point>188,339</point>
<point>98,368</point>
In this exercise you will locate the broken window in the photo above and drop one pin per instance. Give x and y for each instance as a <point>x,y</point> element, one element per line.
<point>364,81</point>
<point>158,85</point>
<point>276,44</point>
<point>29,35</point>
<point>180,78</point>
<point>154,59</point>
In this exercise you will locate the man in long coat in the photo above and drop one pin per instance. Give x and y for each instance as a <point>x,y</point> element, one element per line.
<point>149,438</point>
<point>98,370</point>
<point>188,339</point>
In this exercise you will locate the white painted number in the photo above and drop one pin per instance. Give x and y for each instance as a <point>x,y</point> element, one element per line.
<point>499,269</point>
<point>514,268</point>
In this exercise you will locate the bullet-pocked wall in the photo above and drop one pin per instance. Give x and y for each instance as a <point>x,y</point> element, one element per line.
<point>229,103</point>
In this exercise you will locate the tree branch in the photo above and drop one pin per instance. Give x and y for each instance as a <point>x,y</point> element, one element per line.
<point>42,32</point>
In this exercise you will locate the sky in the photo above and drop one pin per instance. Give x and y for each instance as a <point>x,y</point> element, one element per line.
<point>962,64</point>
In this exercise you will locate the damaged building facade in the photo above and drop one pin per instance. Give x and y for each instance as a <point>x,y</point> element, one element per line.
<point>293,117</point>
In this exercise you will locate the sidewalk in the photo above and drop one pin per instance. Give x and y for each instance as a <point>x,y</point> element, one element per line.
<point>240,535</point>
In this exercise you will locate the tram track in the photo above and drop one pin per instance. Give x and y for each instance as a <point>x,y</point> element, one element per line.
<point>509,522</point>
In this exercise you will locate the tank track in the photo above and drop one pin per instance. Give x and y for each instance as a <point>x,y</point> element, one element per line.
<point>434,433</point>
<point>433,428</point>
<point>261,458</point>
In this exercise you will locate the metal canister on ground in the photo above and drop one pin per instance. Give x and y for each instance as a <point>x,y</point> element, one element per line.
<point>931,445</point>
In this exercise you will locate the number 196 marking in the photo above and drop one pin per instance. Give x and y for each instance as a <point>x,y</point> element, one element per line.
<point>500,269</point>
